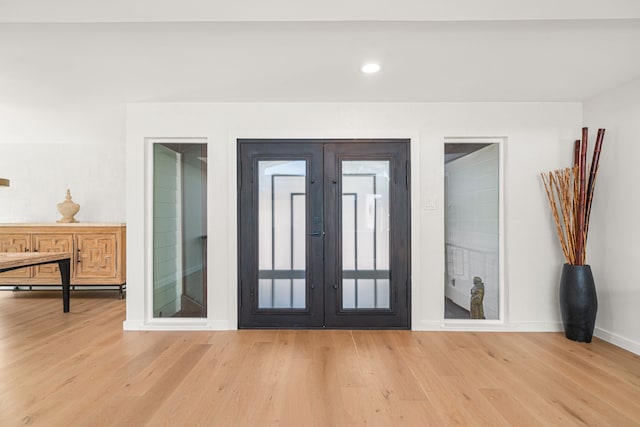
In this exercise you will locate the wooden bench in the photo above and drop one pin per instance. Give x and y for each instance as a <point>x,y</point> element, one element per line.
<point>14,260</point>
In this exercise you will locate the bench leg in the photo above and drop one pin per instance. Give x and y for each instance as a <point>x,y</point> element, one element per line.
<point>65,273</point>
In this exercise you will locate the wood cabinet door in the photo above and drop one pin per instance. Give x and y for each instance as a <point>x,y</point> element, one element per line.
<point>16,243</point>
<point>96,256</point>
<point>50,243</point>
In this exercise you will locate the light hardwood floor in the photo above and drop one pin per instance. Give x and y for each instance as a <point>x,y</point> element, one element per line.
<point>81,369</point>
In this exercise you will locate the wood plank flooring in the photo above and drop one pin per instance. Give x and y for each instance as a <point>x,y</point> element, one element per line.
<point>81,369</point>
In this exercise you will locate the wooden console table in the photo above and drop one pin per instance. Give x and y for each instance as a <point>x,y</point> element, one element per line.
<point>98,253</point>
<point>14,260</point>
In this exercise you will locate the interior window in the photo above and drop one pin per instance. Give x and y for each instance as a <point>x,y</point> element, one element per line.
<point>179,230</point>
<point>472,274</point>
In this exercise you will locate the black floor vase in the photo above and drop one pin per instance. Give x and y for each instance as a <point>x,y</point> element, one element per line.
<point>578,302</point>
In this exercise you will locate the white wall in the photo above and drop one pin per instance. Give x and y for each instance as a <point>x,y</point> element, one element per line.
<point>537,135</point>
<point>614,231</point>
<point>46,149</point>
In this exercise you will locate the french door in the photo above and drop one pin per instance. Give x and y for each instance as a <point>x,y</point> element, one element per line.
<point>323,233</point>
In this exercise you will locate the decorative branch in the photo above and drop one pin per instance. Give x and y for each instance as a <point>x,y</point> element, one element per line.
<point>592,179</point>
<point>576,167</point>
<point>582,198</point>
<point>549,186</point>
<point>571,196</point>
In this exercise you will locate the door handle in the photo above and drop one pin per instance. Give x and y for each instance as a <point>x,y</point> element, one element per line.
<point>316,233</point>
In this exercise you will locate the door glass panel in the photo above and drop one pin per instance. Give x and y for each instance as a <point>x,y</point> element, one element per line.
<point>179,230</point>
<point>365,234</point>
<point>472,279</point>
<point>281,234</point>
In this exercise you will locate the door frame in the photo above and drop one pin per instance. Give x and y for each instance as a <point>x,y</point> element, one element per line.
<point>406,295</point>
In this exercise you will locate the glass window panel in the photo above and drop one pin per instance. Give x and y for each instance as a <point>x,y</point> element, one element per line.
<point>366,293</point>
<point>282,293</point>
<point>382,293</point>
<point>299,293</point>
<point>472,194</point>
<point>179,230</point>
<point>298,239</point>
<point>282,234</point>
<point>265,292</point>
<point>365,233</point>
<point>349,236</point>
<point>348,293</point>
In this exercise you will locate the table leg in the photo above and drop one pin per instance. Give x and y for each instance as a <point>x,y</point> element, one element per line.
<point>65,272</point>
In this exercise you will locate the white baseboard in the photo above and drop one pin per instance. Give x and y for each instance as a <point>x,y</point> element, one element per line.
<point>170,324</point>
<point>617,340</point>
<point>177,324</point>
<point>487,326</point>
<point>132,325</point>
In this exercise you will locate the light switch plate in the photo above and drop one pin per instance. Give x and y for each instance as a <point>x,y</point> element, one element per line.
<point>430,204</point>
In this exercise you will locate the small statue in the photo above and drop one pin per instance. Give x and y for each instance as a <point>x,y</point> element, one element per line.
<point>477,296</point>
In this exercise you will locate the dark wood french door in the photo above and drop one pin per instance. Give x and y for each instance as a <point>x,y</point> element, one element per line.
<point>323,233</point>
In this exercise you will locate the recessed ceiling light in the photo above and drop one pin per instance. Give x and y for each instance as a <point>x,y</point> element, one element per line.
<point>370,68</point>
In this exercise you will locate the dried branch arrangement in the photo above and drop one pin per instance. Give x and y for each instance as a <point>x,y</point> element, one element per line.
<point>570,194</point>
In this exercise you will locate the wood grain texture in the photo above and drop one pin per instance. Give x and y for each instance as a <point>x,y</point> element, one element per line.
<point>81,369</point>
<point>13,260</point>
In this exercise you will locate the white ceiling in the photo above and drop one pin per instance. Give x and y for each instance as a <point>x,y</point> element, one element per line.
<point>444,54</point>
<point>311,10</point>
